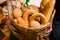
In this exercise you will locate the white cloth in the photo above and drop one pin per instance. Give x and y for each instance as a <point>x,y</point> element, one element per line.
<point>5,10</point>
<point>22,1</point>
<point>14,3</point>
<point>17,4</point>
<point>35,2</point>
<point>32,2</point>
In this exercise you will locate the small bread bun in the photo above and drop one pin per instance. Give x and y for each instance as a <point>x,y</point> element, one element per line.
<point>17,12</point>
<point>35,25</point>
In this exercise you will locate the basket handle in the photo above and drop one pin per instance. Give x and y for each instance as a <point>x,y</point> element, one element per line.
<point>52,16</point>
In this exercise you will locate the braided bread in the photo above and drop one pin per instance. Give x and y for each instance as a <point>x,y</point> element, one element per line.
<point>27,14</point>
<point>42,21</point>
<point>17,13</point>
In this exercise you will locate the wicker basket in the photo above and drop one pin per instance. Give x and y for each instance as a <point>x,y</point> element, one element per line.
<point>29,34</point>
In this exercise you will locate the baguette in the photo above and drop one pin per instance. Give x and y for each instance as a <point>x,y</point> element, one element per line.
<point>43,4</point>
<point>49,9</point>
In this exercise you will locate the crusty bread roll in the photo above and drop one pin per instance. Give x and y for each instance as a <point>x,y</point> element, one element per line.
<point>35,25</point>
<point>17,12</point>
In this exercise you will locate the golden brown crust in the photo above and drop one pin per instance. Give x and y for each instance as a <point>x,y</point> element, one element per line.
<point>43,4</point>
<point>37,18</point>
<point>49,9</point>
<point>35,25</point>
<point>22,22</point>
<point>17,12</point>
<point>27,14</point>
<point>42,21</point>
